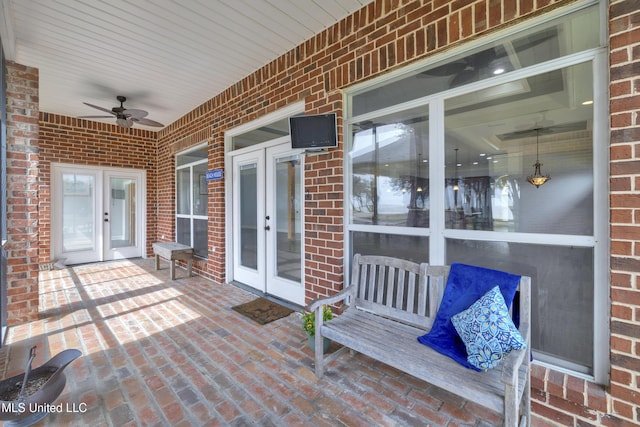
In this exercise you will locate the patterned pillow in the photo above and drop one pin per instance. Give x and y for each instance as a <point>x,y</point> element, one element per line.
<point>487,330</point>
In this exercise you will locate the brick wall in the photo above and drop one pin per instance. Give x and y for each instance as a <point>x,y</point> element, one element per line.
<point>82,142</point>
<point>624,40</point>
<point>383,36</point>
<point>22,193</point>
<point>388,34</point>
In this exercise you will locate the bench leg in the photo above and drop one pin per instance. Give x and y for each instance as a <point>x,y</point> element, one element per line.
<point>319,355</point>
<point>157,262</point>
<point>189,267</point>
<point>172,269</point>
<point>511,405</point>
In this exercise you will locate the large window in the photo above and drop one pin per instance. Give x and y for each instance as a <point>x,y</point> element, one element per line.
<point>192,200</point>
<point>440,159</point>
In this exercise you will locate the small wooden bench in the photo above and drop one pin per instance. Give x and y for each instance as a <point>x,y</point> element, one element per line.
<point>391,302</point>
<point>172,251</point>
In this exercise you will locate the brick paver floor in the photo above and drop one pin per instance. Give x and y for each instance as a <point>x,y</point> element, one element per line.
<point>173,353</point>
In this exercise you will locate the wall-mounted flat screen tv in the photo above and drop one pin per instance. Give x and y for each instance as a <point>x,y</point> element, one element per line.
<point>313,131</point>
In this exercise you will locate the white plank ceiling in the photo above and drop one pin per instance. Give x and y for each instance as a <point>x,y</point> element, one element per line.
<point>166,56</point>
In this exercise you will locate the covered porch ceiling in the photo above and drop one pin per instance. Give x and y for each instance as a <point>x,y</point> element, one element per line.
<point>166,57</point>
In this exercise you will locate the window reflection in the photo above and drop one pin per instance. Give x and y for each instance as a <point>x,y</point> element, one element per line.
<point>492,145</point>
<point>390,170</point>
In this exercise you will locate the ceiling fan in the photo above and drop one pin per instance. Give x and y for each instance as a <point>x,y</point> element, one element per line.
<point>125,117</point>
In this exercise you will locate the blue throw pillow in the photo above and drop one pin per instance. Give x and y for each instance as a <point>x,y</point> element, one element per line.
<point>487,330</point>
<point>465,285</point>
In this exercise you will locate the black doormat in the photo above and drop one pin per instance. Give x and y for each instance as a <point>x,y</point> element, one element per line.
<point>262,310</point>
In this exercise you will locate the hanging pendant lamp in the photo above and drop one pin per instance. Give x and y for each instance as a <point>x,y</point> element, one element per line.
<point>538,178</point>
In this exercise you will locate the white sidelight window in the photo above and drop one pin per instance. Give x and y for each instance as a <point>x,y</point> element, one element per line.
<point>192,200</point>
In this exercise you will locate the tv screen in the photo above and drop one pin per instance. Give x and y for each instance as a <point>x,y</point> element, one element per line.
<point>313,131</point>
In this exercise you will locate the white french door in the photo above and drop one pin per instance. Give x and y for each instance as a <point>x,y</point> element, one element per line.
<point>267,212</point>
<point>97,213</point>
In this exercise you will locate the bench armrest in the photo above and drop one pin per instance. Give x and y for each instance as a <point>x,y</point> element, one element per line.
<point>512,362</point>
<point>340,296</point>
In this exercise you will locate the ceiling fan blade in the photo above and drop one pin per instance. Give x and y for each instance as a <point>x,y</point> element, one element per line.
<point>463,77</point>
<point>100,108</point>
<point>147,122</point>
<point>447,69</point>
<point>95,117</point>
<point>137,114</point>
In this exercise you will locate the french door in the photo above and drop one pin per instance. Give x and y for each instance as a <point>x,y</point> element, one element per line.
<point>98,213</point>
<point>267,214</point>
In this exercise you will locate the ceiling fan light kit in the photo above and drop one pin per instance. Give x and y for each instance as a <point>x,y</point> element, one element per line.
<point>125,118</point>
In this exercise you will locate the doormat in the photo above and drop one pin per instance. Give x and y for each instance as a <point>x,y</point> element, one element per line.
<point>262,310</point>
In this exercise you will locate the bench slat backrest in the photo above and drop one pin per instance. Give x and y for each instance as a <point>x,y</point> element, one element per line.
<point>397,289</point>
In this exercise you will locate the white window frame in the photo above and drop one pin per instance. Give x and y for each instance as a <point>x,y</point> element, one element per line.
<point>439,233</point>
<point>190,216</point>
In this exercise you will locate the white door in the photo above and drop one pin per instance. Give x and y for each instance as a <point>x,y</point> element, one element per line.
<point>97,215</point>
<point>123,218</point>
<point>267,222</point>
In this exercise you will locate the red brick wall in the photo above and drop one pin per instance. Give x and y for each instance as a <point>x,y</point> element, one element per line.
<point>383,36</point>
<point>624,40</point>
<point>22,193</point>
<point>82,142</point>
<point>380,37</point>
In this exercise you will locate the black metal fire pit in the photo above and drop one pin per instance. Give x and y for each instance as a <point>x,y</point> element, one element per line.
<point>25,398</point>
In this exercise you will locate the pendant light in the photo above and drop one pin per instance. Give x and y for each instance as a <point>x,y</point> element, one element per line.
<point>455,183</point>
<point>419,188</point>
<point>537,178</point>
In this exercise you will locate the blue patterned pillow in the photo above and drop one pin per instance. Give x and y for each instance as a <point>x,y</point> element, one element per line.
<point>487,330</point>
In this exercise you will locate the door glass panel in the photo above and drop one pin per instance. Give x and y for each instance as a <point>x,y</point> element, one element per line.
<point>78,214</point>
<point>122,212</point>
<point>248,216</point>
<point>288,221</point>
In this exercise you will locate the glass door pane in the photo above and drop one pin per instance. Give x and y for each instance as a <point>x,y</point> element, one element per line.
<point>122,212</point>
<point>78,212</point>
<point>288,218</point>
<point>284,231</point>
<point>248,216</point>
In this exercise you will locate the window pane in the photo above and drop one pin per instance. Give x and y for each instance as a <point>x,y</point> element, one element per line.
<point>412,248</point>
<point>562,293</point>
<point>389,159</point>
<point>262,134</point>
<point>183,231</point>
<point>288,218</point>
<point>248,216</point>
<point>191,156</point>
<point>200,189</point>
<point>520,50</point>
<point>200,237</point>
<point>184,186</point>
<point>495,136</point>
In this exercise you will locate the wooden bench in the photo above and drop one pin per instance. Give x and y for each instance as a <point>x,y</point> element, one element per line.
<point>391,302</point>
<point>172,251</point>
